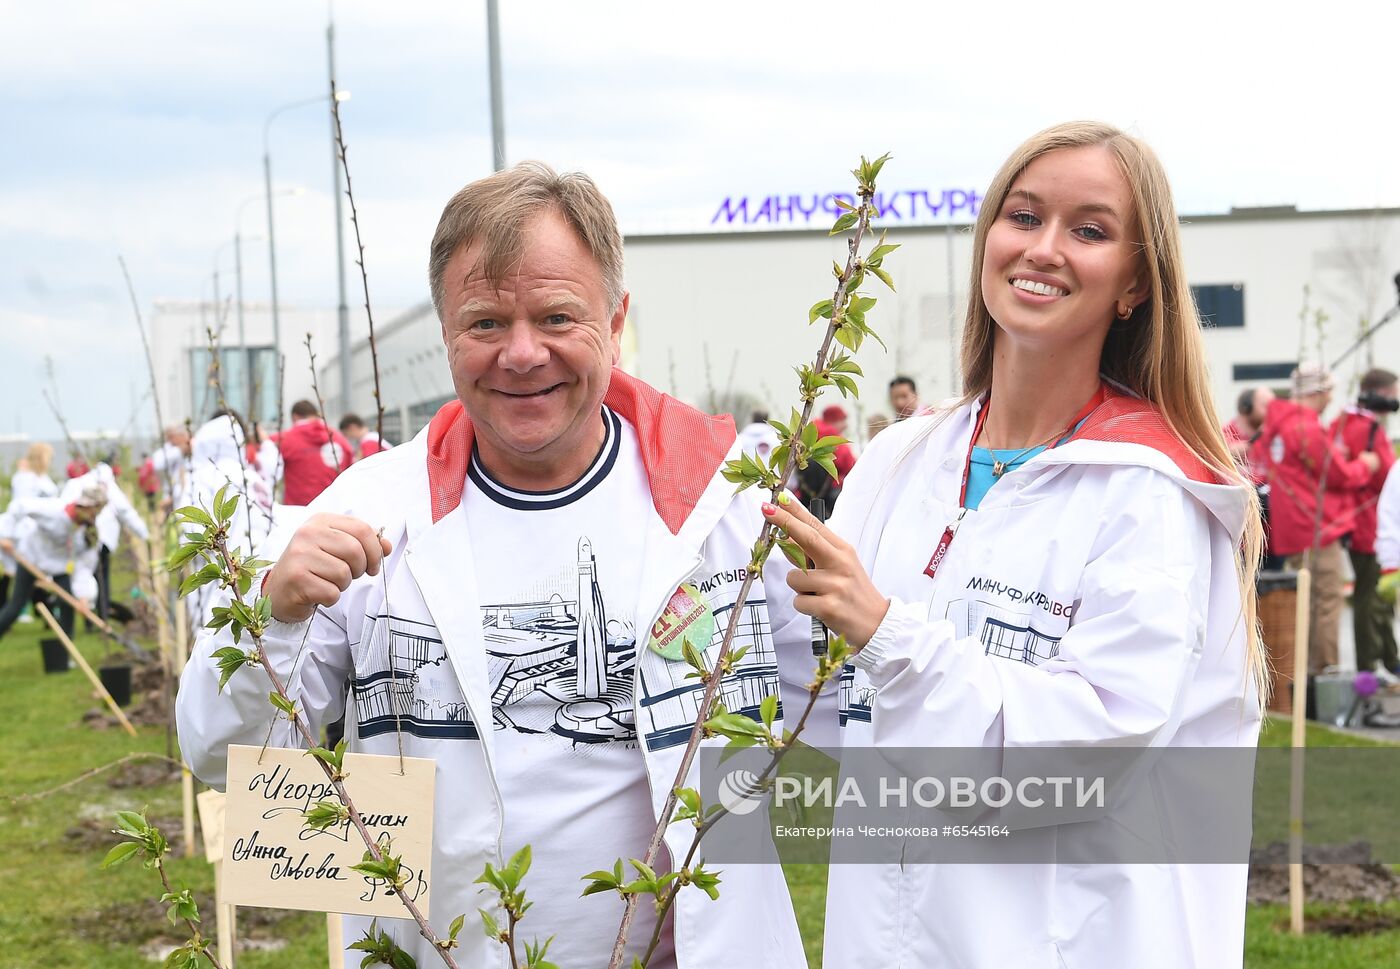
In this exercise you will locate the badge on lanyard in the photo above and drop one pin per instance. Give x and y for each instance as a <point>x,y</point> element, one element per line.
<point>686,617</point>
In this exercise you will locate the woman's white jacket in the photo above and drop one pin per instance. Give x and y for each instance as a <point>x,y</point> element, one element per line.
<point>698,531</point>
<point>1103,572</point>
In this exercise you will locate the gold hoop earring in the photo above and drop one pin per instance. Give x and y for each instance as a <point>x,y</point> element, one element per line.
<point>1123,311</point>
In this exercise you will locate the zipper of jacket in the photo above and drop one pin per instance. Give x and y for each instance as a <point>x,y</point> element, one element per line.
<point>637,719</point>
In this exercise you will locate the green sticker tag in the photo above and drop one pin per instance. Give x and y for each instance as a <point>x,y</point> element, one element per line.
<point>686,616</point>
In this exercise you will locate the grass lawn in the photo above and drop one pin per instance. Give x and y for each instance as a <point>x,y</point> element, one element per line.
<point>65,912</point>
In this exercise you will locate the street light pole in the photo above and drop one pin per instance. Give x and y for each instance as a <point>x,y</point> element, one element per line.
<point>238,285</point>
<point>498,115</point>
<point>342,308</point>
<point>271,244</point>
<point>267,190</point>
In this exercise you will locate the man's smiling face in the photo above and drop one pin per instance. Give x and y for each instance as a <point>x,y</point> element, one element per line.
<point>531,361</point>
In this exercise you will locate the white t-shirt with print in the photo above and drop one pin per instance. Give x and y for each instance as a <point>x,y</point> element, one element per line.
<point>557,578</point>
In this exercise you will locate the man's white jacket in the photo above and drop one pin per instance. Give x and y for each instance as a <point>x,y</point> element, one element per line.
<point>117,514</point>
<point>697,531</point>
<point>48,539</point>
<point>1091,600</point>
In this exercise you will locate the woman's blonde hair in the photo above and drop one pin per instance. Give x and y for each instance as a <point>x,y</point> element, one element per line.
<point>1157,352</point>
<point>38,456</point>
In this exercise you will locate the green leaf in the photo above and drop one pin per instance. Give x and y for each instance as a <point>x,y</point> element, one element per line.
<point>210,573</point>
<point>520,862</point>
<point>768,710</point>
<point>181,555</point>
<point>493,931</point>
<point>133,823</point>
<point>229,506</point>
<point>643,869</point>
<point>120,853</point>
<point>828,465</point>
<point>878,164</point>
<point>324,814</point>
<point>819,311</point>
<point>793,552</point>
<point>195,515</point>
<point>456,927</point>
<point>843,223</point>
<point>283,704</point>
<point>230,660</point>
<point>843,204</point>
<point>491,877</point>
<point>734,724</point>
<point>884,277</point>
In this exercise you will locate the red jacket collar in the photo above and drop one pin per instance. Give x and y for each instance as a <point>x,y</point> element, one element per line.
<point>1125,419</point>
<point>682,448</point>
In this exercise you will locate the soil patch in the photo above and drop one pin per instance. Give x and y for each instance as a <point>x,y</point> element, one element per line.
<point>150,706</point>
<point>143,773</point>
<point>1331,873</point>
<point>94,835</point>
<point>144,922</point>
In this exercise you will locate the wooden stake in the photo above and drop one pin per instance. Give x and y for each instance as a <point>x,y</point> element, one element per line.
<point>224,917</point>
<point>335,940</point>
<point>186,778</point>
<point>47,616</point>
<point>43,581</point>
<point>1295,784</point>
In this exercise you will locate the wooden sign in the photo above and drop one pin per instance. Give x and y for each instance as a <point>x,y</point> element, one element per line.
<point>272,860</point>
<point>211,824</point>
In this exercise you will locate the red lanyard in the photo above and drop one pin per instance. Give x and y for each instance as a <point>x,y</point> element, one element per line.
<point>951,531</point>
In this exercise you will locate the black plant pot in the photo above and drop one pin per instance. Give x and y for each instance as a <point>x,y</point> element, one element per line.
<point>55,656</point>
<point>117,681</point>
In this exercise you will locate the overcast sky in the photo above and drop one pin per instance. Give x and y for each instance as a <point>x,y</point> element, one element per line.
<point>136,128</point>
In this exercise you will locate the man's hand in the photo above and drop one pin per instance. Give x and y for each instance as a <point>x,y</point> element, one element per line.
<point>1371,459</point>
<point>326,554</point>
<point>835,588</point>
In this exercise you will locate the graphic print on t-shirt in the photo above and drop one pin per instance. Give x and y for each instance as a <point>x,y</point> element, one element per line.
<point>403,681</point>
<point>559,664</point>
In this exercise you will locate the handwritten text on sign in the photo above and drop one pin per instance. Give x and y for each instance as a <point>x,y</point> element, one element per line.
<point>271,859</point>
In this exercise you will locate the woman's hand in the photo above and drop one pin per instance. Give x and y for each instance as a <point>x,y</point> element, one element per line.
<point>835,587</point>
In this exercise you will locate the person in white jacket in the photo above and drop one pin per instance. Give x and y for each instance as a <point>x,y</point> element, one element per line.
<point>217,461</point>
<point>30,480</point>
<point>1052,561</point>
<point>60,541</point>
<point>502,594</point>
<point>117,514</point>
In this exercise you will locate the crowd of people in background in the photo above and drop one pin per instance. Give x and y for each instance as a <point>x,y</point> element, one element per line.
<point>65,534</point>
<point>1320,487</point>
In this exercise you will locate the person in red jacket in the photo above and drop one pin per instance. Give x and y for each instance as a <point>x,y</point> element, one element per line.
<point>362,439</point>
<point>1361,428</point>
<point>1301,464</point>
<point>312,454</point>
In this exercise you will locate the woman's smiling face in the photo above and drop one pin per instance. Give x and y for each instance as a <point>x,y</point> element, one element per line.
<point>1065,250</point>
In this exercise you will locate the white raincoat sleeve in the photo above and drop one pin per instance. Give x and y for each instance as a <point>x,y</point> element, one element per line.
<point>1136,639</point>
<point>1388,523</point>
<point>129,517</point>
<point>209,720</point>
<point>797,666</point>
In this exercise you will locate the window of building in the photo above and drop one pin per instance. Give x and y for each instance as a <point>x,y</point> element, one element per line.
<point>421,413</point>
<point>248,376</point>
<point>1220,304</point>
<point>1264,371</point>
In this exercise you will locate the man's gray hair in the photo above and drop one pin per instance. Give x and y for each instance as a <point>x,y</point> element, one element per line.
<point>494,211</point>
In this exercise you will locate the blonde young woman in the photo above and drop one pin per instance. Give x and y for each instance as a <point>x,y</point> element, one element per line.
<point>1053,560</point>
<point>31,480</point>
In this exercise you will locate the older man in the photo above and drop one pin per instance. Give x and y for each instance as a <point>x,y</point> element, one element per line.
<point>540,539</point>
